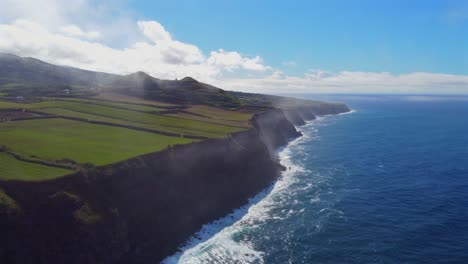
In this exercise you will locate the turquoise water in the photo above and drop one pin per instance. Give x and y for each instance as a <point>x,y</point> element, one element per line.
<point>387,183</point>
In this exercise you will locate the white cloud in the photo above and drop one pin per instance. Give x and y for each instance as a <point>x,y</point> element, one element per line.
<point>162,57</point>
<point>172,51</point>
<point>75,31</point>
<point>107,38</point>
<point>232,60</point>
<point>354,82</point>
<point>47,12</point>
<point>111,18</point>
<point>154,31</point>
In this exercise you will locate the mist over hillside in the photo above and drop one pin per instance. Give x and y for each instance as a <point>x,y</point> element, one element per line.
<point>30,77</point>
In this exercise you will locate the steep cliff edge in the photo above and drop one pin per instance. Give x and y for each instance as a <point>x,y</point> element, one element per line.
<point>142,209</point>
<point>298,114</point>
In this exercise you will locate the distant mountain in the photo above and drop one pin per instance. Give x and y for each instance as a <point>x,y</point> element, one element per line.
<point>31,71</point>
<point>30,78</point>
<point>184,91</point>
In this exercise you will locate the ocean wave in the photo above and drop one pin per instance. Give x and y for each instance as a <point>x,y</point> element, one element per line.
<point>216,242</point>
<point>352,111</point>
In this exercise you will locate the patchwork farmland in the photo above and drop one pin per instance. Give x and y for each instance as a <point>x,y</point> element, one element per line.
<point>53,137</point>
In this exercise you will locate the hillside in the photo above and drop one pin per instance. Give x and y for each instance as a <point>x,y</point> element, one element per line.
<point>29,78</point>
<point>68,119</point>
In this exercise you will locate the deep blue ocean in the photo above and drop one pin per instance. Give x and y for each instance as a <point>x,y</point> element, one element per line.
<point>387,183</point>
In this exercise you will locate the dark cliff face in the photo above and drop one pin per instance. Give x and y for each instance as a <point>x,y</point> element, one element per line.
<point>274,129</point>
<point>142,209</point>
<point>297,115</point>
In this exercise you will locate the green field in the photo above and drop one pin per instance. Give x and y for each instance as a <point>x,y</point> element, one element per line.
<point>13,169</point>
<point>130,99</point>
<point>97,112</point>
<point>135,107</point>
<point>58,140</point>
<point>71,113</point>
<point>146,120</point>
<point>243,124</point>
<point>217,113</point>
<point>54,139</point>
<point>5,104</point>
<point>182,117</point>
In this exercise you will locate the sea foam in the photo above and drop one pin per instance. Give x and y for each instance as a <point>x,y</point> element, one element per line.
<point>215,243</point>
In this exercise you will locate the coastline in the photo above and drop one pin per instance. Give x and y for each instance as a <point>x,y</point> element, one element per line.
<point>221,229</point>
<point>210,230</point>
<point>134,208</point>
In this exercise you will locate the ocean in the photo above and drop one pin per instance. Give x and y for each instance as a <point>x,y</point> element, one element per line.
<point>386,183</point>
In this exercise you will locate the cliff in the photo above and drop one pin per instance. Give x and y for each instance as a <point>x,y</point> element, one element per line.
<point>142,209</point>
<point>298,114</point>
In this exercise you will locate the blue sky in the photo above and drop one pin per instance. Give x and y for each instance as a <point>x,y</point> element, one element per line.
<point>393,36</point>
<point>361,46</point>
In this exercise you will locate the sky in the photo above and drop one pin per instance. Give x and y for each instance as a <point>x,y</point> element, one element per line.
<point>415,47</point>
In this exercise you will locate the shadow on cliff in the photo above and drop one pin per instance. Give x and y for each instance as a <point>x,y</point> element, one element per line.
<point>142,209</point>
<point>208,231</point>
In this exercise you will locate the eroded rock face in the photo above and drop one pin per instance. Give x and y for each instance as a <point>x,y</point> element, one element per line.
<point>274,129</point>
<point>142,209</point>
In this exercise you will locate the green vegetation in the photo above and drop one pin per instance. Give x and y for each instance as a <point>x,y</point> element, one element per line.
<point>37,126</point>
<point>98,112</point>
<point>130,99</point>
<point>10,85</point>
<point>39,149</point>
<point>13,169</point>
<point>86,215</point>
<point>6,104</point>
<point>63,195</point>
<point>55,139</point>
<point>138,119</point>
<point>8,206</point>
<point>80,145</point>
<point>239,124</point>
<point>129,106</point>
<point>217,113</point>
<point>71,113</point>
<point>28,90</point>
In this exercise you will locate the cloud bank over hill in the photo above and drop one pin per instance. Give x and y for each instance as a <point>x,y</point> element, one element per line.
<point>102,37</point>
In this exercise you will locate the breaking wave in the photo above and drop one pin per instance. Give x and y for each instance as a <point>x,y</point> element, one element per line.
<point>221,241</point>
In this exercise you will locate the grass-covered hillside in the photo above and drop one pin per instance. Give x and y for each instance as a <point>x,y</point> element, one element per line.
<point>55,120</point>
<point>14,169</point>
<point>29,78</point>
<point>51,137</point>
